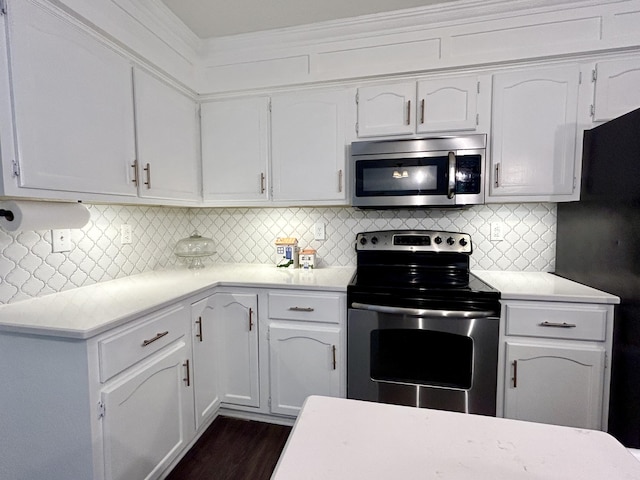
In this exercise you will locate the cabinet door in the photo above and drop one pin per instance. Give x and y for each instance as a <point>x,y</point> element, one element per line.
<point>303,362</point>
<point>205,361</point>
<point>235,150</point>
<point>309,146</point>
<point>73,110</point>
<point>387,109</point>
<point>534,132</point>
<point>235,330</point>
<point>561,385</point>
<point>167,133</point>
<point>447,104</point>
<point>617,88</point>
<point>148,417</point>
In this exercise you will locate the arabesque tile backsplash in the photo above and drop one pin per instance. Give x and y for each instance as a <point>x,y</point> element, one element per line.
<point>28,268</point>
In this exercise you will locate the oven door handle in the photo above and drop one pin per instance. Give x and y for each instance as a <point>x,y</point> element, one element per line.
<point>421,312</point>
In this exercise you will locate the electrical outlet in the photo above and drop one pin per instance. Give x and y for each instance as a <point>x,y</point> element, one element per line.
<point>497,231</point>
<point>61,240</point>
<point>319,232</point>
<point>125,234</point>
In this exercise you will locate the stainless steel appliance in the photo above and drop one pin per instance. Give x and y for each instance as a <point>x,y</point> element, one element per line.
<point>597,244</point>
<point>442,171</point>
<point>421,329</point>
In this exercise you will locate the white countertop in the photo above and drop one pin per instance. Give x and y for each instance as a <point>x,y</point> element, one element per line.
<point>542,286</point>
<point>87,311</point>
<point>339,439</point>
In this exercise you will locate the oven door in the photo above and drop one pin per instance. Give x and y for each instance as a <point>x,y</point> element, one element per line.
<point>424,358</point>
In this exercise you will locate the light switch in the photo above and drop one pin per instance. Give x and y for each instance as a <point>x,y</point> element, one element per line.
<point>61,240</point>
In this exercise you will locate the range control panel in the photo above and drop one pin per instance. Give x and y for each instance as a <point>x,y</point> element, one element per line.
<point>414,241</point>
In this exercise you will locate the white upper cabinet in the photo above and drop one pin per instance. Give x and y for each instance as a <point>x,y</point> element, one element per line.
<point>387,109</point>
<point>167,134</point>
<point>72,102</point>
<point>617,89</point>
<point>534,134</point>
<point>439,104</point>
<point>309,144</point>
<point>235,151</point>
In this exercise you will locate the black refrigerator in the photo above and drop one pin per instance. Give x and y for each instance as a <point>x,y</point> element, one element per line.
<point>598,244</point>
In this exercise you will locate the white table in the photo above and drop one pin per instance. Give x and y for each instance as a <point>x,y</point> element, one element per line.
<point>350,439</point>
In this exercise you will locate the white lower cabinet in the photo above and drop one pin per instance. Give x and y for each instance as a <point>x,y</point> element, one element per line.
<point>554,366</point>
<point>558,384</point>
<point>147,410</point>
<point>306,348</point>
<point>303,362</point>
<point>235,329</point>
<point>205,361</point>
<point>148,417</point>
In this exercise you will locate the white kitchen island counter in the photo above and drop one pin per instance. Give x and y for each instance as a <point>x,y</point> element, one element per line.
<point>336,439</point>
<point>87,311</point>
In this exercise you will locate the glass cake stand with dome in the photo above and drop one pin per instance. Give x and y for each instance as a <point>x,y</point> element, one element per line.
<point>194,249</point>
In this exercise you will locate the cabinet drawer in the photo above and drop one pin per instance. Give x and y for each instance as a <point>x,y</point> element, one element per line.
<point>126,348</point>
<point>311,307</point>
<point>567,322</point>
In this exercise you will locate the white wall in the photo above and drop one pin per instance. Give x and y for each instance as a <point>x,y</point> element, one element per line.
<point>29,269</point>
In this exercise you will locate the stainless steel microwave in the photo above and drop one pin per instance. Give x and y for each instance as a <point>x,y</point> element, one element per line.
<point>418,172</point>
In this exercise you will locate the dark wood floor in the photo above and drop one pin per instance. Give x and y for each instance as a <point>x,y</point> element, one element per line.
<point>233,449</point>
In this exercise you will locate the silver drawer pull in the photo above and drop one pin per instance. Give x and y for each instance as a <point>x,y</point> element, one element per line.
<point>157,337</point>
<point>558,325</point>
<point>302,309</point>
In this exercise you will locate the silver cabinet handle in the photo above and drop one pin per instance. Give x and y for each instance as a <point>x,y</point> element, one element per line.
<point>408,112</point>
<point>250,319</point>
<point>451,190</point>
<point>558,324</point>
<point>302,309</point>
<point>262,178</point>
<point>424,312</point>
<point>422,111</point>
<point>515,373</point>
<point>148,170</point>
<point>497,176</point>
<point>157,337</point>
<point>199,323</point>
<point>333,353</point>
<point>135,172</point>
<point>340,181</point>
<point>187,379</point>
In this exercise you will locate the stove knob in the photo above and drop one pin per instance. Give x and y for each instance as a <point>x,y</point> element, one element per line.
<point>438,240</point>
<point>450,241</point>
<point>463,242</point>
<point>363,240</point>
<point>374,240</point>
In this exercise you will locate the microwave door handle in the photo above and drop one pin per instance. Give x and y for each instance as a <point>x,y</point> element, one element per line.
<point>451,190</point>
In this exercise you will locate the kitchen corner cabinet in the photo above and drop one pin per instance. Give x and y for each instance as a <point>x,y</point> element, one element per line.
<point>439,104</point>
<point>535,140</point>
<point>555,366</point>
<point>235,330</point>
<point>235,151</point>
<point>305,348</point>
<point>167,136</point>
<point>616,88</point>
<point>205,361</point>
<point>309,147</point>
<point>72,108</point>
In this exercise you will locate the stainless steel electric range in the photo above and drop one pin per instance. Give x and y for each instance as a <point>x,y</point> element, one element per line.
<point>421,329</point>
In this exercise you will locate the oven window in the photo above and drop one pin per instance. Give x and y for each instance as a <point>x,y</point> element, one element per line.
<point>422,357</point>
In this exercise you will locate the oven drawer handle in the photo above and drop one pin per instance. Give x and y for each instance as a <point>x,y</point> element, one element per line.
<point>423,312</point>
